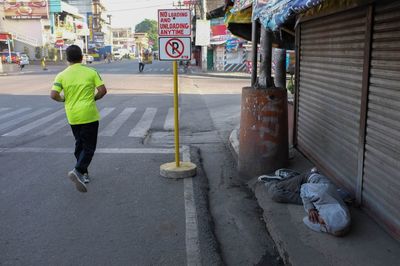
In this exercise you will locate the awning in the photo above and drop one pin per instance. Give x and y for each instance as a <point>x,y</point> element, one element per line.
<point>273,14</point>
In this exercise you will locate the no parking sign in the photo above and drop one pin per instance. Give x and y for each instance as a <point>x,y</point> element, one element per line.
<point>174,31</point>
<point>175,48</point>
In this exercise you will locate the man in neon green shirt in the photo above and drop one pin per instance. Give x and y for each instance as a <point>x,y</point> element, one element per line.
<point>81,87</point>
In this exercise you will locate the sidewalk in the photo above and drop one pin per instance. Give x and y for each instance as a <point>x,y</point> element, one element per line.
<point>196,70</point>
<point>366,244</point>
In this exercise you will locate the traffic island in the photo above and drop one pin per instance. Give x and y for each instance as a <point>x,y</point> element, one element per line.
<point>184,170</point>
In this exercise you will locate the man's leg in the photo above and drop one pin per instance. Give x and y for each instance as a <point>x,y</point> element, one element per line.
<point>89,142</point>
<point>287,190</point>
<point>78,142</point>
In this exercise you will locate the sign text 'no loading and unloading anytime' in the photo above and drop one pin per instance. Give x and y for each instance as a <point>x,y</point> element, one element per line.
<point>175,48</point>
<point>174,22</point>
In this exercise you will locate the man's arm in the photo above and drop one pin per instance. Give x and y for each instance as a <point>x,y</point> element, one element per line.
<point>101,91</point>
<point>55,95</point>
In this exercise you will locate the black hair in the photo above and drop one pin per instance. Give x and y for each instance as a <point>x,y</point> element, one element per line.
<point>74,54</point>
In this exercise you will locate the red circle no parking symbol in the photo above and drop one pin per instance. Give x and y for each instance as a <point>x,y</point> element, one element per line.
<point>174,48</point>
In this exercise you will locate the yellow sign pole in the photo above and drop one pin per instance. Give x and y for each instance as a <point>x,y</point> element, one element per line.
<point>178,169</point>
<point>176,113</point>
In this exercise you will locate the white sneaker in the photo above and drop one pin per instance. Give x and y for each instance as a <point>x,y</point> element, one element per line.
<point>78,179</point>
<point>86,178</point>
<point>267,178</point>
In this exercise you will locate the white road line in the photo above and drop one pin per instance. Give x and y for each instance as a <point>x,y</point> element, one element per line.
<point>34,124</point>
<point>53,128</point>
<point>169,120</point>
<point>193,257</point>
<point>4,109</point>
<point>23,118</point>
<point>162,69</point>
<point>103,113</point>
<point>155,69</point>
<point>168,69</point>
<point>143,126</point>
<point>100,150</point>
<point>116,123</point>
<point>14,112</point>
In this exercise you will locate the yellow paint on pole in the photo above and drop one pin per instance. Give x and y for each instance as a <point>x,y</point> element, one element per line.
<point>176,113</point>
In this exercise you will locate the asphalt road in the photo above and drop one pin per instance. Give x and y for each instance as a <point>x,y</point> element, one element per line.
<point>130,215</point>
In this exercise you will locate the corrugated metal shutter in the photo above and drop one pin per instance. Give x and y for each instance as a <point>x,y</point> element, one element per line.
<point>330,80</point>
<point>381,182</point>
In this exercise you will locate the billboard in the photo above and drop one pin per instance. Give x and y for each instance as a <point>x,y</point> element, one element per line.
<point>26,9</point>
<point>219,32</point>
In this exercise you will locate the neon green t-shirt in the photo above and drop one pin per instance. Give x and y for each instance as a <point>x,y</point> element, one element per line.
<point>79,83</point>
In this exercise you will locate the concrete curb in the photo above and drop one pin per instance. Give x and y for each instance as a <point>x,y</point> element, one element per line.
<point>219,75</point>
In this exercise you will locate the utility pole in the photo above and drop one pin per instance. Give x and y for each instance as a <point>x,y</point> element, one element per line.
<point>204,47</point>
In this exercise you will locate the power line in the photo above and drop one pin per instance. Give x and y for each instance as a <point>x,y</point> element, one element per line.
<point>135,8</point>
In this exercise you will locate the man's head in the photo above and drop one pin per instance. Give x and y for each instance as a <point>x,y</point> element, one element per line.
<point>74,54</point>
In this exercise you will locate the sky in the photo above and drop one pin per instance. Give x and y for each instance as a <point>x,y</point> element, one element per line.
<point>128,13</point>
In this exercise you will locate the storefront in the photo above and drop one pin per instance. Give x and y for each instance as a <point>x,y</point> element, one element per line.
<point>348,108</point>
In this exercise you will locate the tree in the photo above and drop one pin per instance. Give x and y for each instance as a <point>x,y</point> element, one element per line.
<point>150,27</point>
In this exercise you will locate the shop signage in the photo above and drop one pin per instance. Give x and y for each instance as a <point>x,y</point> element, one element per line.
<point>59,43</point>
<point>5,37</point>
<point>26,9</point>
<point>189,2</point>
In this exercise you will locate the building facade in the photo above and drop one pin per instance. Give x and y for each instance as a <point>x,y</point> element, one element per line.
<point>123,38</point>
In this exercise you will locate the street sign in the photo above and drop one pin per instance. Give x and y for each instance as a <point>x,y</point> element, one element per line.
<point>59,43</point>
<point>175,48</point>
<point>174,22</point>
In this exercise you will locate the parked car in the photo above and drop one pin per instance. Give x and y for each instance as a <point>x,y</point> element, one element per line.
<point>118,56</point>
<point>88,59</point>
<point>24,59</point>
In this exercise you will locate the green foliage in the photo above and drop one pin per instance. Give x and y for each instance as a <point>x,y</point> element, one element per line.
<point>290,86</point>
<point>147,25</point>
<point>151,28</point>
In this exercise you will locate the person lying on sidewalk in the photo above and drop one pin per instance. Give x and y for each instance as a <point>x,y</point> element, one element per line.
<point>325,208</point>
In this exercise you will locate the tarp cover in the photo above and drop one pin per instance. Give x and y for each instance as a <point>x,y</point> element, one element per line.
<point>274,13</point>
<point>240,5</point>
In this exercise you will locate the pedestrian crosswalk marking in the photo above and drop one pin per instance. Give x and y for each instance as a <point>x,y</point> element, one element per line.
<point>23,118</point>
<point>18,111</point>
<point>34,124</point>
<point>103,113</point>
<point>143,126</point>
<point>113,127</point>
<point>169,121</point>
<point>53,128</point>
<point>49,121</point>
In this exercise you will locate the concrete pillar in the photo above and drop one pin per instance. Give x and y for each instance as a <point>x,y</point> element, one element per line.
<point>263,141</point>
<point>280,68</point>
<point>265,80</point>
